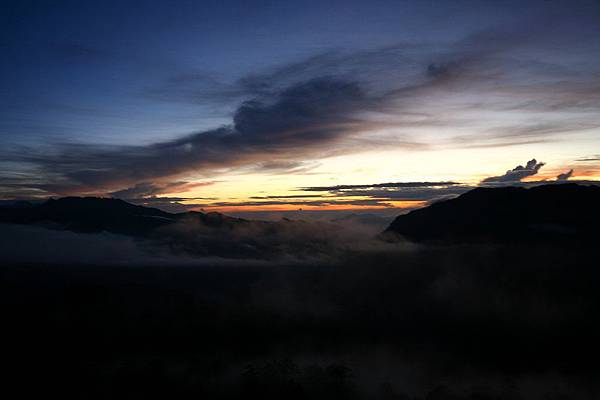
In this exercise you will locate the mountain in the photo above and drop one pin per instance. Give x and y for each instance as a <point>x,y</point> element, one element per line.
<point>93,214</point>
<point>188,233</point>
<point>507,214</point>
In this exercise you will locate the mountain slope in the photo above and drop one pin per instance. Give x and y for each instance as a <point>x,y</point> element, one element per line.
<point>565,212</point>
<point>93,214</point>
<point>189,233</point>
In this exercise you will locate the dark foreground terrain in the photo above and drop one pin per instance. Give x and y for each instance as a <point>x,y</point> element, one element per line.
<point>445,322</point>
<point>499,300</point>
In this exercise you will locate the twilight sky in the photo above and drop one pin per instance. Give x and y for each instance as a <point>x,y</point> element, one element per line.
<point>280,105</point>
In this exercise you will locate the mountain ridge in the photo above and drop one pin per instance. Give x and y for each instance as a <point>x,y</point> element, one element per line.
<point>506,214</point>
<point>97,214</point>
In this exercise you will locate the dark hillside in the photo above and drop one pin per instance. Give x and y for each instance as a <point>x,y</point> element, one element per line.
<point>508,214</point>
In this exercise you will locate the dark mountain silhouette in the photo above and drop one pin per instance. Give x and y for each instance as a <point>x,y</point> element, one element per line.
<point>507,214</point>
<point>190,233</point>
<point>93,214</point>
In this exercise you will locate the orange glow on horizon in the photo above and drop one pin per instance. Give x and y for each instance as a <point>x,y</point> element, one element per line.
<point>332,207</point>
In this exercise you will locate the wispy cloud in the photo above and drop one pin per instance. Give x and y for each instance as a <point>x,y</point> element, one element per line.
<point>379,185</point>
<point>149,189</point>
<point>589,159</point>
<point>297,121</point>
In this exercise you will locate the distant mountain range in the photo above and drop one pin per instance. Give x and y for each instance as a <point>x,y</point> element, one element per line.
<point>93,215</point>
<point>567,212</point>
<point>194,233</point>
<point>507,214</point>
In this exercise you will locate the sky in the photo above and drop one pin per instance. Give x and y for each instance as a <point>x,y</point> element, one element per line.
<point>273,106</point>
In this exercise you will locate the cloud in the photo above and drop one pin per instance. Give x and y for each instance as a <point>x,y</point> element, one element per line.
<point>337,102</point>
<point>170,204</point>
<point>321,201</point>
<point>308,240</point>
<point>284,167</point>
<point>149,194</point>
<point>517,174</point>
<point>54,246</point>
<point>376,195</point>
<point>384,193</point>
<point>149,189</point>
<point>590,158</point>
<point>408,194</point>
<point>299,120</point>
<point>565,176</point>
<point>380,185</point>
<point>298,196</point>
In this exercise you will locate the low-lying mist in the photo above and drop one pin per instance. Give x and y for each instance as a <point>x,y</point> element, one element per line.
<point>194,242</point>
<point>389,321</point>
<point>281,241</point>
